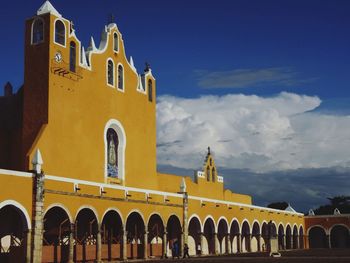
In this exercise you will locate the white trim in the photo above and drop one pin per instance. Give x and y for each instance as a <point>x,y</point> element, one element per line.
<point>325,216</point>
<point>116,33</point>
<point>291,231</point>
<point>65,209</point>
<point>250,227</point>
<point>198,218</point>
<point>226,221</point>
<point>155,213</point>
<point>117,77</point>
<point>212,218</point>
<point>65,32</point>
<point>20,207</point>
<point>31,32</point>
<point>90,208</point>
<point>301,227</point>
<point>237,221</point>
<point>326,231</point>
<point>114,209</point>
<point>118,128</point>
<point>173,214</point>
<point>16,173</point>
<point>334,225</point>
<point>113,69</point>
<point>242,205</point>
<point>256,221</point>
<point>283,228</point>
<point>138,212</point>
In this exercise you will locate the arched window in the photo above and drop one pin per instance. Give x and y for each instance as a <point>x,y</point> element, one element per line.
<point>112,153</point>
<point>150,90</point>
<point>213,174</point>
<point>37,31</point>
<point>72,56</point>
<point>60,33</point>
<point>115,145</point>
<point>115,43</point>
<point>110,72</point>
<point>120,77</point>
<point>208,174</point>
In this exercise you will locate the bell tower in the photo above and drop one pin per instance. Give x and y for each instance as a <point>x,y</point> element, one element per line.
<point>38,35</point>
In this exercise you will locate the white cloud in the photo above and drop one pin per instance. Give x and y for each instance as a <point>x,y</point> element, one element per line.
<point>261,134</point>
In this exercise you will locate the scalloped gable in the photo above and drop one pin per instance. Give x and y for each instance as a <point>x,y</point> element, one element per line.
<point>47,8</point>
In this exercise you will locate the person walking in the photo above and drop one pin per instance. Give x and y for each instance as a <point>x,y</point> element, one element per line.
<point>186,248</point>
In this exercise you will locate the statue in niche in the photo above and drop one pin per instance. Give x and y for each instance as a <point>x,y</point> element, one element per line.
<point>112,154</point>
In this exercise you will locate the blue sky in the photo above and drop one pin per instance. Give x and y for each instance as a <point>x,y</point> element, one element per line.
<point>274,76</point>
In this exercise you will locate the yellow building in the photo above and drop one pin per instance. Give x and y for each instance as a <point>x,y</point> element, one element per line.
<point>79,179</point>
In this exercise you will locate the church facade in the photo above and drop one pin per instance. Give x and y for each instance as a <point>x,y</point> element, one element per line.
<point>78,175</point>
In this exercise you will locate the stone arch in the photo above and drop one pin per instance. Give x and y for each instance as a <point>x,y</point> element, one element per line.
<point>301,237</point>
<point>255,240</point>
<point>194,234</point>
<point>339,235</point>
<point>317,237</point>
<point>13,231</point>
<point>60,206</point>
<point>21,208</point>
<point>223,235</point>
<point>235,235</point>
<point>135,228</point>
<point>295,237</point>
<point>246,234</point>
<point>111,235</point>
<point>86,229</point>
<point>174,230</point>
<point>155,227</point>
<point>57,229</point>
<point>281,243</point>
<point>288,237</point>
<point>209,234</point>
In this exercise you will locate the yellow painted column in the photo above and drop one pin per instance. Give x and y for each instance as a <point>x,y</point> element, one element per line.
<point>124,244</point>
<point>165,245</point>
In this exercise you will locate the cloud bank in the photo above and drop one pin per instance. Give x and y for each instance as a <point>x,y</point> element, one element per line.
<point>261,134</point>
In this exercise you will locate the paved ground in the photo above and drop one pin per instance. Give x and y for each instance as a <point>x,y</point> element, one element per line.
<point>307,256</point>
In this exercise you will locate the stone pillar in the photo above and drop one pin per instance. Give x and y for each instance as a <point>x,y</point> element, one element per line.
<point>71,243</point>
<point>184,237</point>
<point>201,236</point>
<point>249,247</point>
<point>124,244</point>
<point>145,243</point>
<point>165,245</point>
<point>329,241</point>
<point>38,190</point>
<point>99,244</point>
<point>291,241</point>
<point>227,243</point>
<point>216,248</point>
<point>306,242</point>
<point>283,243</point>
<point>29,246</point>
<point>181,244</point>
<point>258,242</point>
<point>239,243</point>
<point>297,241</point>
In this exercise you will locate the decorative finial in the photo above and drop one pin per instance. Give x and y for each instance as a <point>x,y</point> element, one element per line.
<point>147,67</point>
<point>37,161</point>
<point>111,18</point>
<point>208,150</point>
